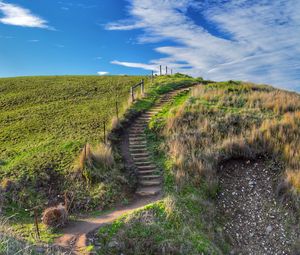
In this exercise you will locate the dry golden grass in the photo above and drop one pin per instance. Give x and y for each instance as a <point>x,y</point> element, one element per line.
<point>277,101</point>
<point>224,122</point>
<point>94,163</point>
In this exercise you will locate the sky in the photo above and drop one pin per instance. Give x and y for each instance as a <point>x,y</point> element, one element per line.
<point>249,40</point>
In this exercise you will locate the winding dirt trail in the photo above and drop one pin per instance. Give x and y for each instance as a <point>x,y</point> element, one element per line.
<point>135,152</point>
<point>255,221</point>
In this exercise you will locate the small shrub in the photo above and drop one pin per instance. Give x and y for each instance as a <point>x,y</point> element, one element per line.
<point>55,216</point>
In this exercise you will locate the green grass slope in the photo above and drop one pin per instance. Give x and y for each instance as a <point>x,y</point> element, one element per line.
<point>45,122</point>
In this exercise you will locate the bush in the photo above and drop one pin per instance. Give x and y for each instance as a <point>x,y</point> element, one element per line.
<point>55,217</point>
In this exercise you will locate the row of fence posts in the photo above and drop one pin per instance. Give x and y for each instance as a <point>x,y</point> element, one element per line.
<point>167,71</point>
<point>141,84</point>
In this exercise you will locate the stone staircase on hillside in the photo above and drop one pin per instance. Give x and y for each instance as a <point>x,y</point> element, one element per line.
<point>149,175</point>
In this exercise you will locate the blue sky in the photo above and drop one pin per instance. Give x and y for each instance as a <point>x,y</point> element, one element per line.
<point>247,40</point>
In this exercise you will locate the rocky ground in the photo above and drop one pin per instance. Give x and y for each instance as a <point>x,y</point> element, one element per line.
<point>255,221</point>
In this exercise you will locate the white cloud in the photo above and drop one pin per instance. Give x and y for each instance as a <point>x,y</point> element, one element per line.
<point>135,65</point>
<point>240,39</point>
<point>33,40</point>
<point>123,26</point>
<point>18,16</point>
<point>102,73</point>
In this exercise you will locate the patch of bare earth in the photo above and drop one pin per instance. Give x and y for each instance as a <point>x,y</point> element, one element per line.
<point>255,221</point>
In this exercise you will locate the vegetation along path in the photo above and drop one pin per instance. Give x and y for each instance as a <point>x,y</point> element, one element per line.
<point>134,150</point>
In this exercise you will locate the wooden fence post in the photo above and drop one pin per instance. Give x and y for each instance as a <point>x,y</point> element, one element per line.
<point>117,110</point>
<point>104,132</point>
<point>160,73</point>
<point>84,152</point>
<point>142,87</point>
<point>36,223</point>
<point>132,94</point>
<point>152,77</point>
<point>166,70</point>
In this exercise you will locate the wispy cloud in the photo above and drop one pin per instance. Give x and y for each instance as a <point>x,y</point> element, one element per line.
<point>102,73</point>
<point>33,41</point>
<point>135,65</point>
<point>19,16</point>
<point>6,37</point>
<point>246,40</point>
<point>67,5</point>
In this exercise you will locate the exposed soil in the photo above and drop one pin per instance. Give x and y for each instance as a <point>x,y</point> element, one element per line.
<point>255,221</point>
<point>75,235</point>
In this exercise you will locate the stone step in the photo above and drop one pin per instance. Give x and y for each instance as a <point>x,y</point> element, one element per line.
<point>134,135</point>
<point>148,172</point>
<point>148,191</point>
<point>141,123</point>
<point>137,138</point>
<point>148,177</point>
<point>137,142</point>
<point>143,163</point>
<point>146,167</point>
<point>137,146</point>
<point>138,150</point>
<point>136,129</point>
<point>132,132</point>
<point>137,122</point>
<point>148,114</point>
<point>144,159</point>
<point>136,132</point>
<point>139,155</point>
<point>148,183</point>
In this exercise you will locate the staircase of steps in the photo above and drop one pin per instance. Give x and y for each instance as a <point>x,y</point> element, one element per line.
<point>149,176</point>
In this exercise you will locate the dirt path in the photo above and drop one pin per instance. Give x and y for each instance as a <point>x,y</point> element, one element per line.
<point>135,152</point>
<point>256,223</point>
<point>74,237</point>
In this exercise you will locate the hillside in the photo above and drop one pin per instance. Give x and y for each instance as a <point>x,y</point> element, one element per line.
<point>228,153</point>
<point>230,158</point>
<point>45,123</point>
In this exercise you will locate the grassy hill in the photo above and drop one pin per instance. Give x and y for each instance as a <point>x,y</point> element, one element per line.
<point>45,124</point>
<point>191,139</point>
<point>196,134</point>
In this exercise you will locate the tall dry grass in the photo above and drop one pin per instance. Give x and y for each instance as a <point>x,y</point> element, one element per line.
<point>221,123</point>
<point>95,163</point>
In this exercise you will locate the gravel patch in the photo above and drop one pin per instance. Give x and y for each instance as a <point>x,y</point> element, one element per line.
<point>255,221</point>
